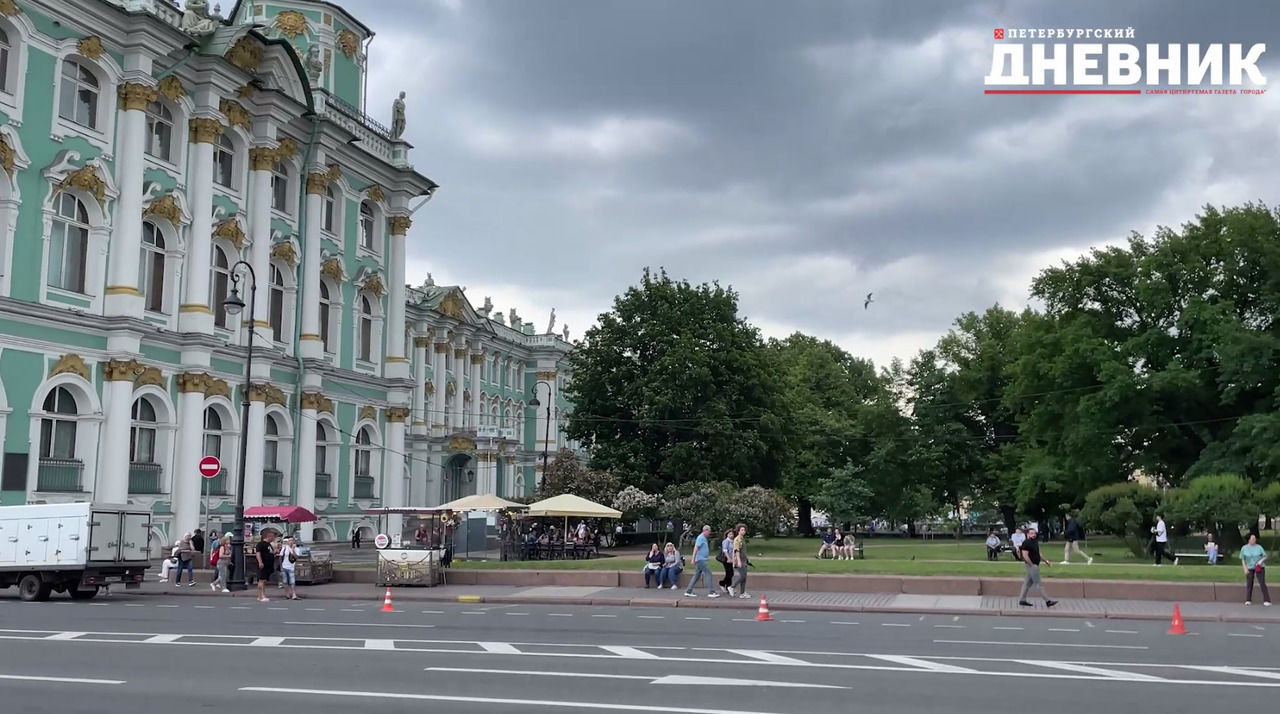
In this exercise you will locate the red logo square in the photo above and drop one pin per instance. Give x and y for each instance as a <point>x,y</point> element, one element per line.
<point>999,34</point>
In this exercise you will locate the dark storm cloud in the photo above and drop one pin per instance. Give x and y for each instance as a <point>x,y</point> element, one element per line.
<point>806,152</point>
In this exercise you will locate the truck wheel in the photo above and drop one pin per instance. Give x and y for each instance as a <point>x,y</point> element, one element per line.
<point>32,589</point>
<point>78,594</point>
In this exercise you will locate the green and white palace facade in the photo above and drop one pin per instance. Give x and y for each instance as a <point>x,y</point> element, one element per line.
<point>146,149</point>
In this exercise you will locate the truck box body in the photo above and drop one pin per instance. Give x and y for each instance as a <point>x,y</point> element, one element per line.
<point>74,545</point>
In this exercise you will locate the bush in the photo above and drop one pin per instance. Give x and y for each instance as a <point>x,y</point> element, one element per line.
<point>635,503</point>
<point>1127,510</point>
<point>1219,504</point>
<point>721,505</point>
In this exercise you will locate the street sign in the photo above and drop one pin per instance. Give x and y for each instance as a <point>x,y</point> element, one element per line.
<point>210,466</point>
<point>381,541</point>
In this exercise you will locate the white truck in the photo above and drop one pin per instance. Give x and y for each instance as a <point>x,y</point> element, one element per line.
<point>73,548</point>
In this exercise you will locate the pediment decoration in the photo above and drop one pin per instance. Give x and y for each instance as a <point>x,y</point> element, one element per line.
<point>453,305</point>
<point>12,157</point>
<point>331,268</point>
<point>89,178</point>
<point>368,412</point>
<point>150,377</point>
<point>91,47</point>
<point>230,229</point>
<point>170,206</point>
<point>236,114</point>
<point>286,250</point>
<point>461,444</point>
<point>9,8</point>
<point>376,194</point>
<point>171,88</point>
<point>70,364</point>
<point>291,23</point>
<point>348,43</point>
<point>217,388</point>
<point>246,54</point>
<point>370,281</point>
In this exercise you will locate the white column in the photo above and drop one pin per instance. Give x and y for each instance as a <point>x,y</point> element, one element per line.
<point>419,476</point>
<point>196,314</point>
<point>254,456</point>
<point>436,417</point>
<point>459,387</point>
<point>188,486</point>
<point>393,468</point>
<point>396,365</point>
<point>309,341</point>
<point>112,484</point>
<point>420,421</point>
<point>305,494</point>
<point>477,358</point>
<point>261,160</point>
<point>122,294</point>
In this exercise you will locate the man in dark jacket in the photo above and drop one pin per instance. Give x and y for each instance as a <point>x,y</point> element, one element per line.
<point>1074,535</point>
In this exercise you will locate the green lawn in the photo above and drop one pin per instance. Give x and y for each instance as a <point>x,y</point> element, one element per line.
<point>1112,561</point>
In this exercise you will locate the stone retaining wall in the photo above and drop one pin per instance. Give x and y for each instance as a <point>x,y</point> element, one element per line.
<point>801,582</point>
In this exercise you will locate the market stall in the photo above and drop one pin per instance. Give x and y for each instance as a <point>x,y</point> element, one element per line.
<point>314,567</point>
<point>567,506</point>
<point>507,511</point>
<point>418,560</point>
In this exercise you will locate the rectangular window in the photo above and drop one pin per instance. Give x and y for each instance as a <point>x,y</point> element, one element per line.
<point>4,69</point>
<point>67,257</point>
<point>277,314</point>
<point>142,446</point>
<point>270,455</point>
<point>322,459</point>
<point>223,165</point>
<point>151,278</point>
<point>324,326</point>
<point>212,445</point>
<point>280,193</point>
<point>366,339</point>
<point>57,439</point>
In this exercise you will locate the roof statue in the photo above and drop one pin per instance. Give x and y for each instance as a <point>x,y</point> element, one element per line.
<point>397,117</point>
<point>551,326</point>
<point>196,19</point>
<point>314,63</point>
<point>566,333</point>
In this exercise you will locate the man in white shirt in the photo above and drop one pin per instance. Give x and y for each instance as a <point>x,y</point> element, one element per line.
<point>1162,541</point>
<point>1016,540</point>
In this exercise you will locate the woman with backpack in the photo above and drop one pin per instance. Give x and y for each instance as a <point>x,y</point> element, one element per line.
<point>220,559</point>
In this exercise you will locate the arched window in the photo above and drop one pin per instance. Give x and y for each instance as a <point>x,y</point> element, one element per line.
<point>280,187</point>
<point>224,163</point>
<point>367,226</point>
<point>142,435</point>
<point>5,49</point>
<point>364,463</point>
<point>159,131</point>
<point>330,204</point>
<point>277,304</point>
<point>484,412</point>
<point>271,450</point>
<point>322,451</point>
<point>366,329</point>
<point>326,313</point>
<point>58,429</point>
<point>212,432</point>
<point>68,244</point>
<point>151,270</point>
<point>220,286</point>
<point>78,101</point>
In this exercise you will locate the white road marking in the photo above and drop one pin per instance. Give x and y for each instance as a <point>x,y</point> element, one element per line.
<point>597,706</point>
<point>267,642</point>
<point>744,619</point>
<point>162,639</point>
<point>1235,671</point>
<point>1039,644</point>
<point>499,648</point>
<point>628,652</point>
<point>516,614</point>
<point>612,616</point>
<point>65,635</point>
<point>433,612</point>
<point>1122,632</point>
<point>955,618</point>
<point>1083,669</point>
<point>538,673</point>
<point>791,621</point>
<point>133,604</point>
<point>843,623</point>
<point>559,614</point>
<point>893,624</point>
<point>1088,624</point>
<point>950,627</point>
<point>379,644</point>
<point>355,624</point>
<point>205,607</point>
<point>697,618</point>
<point>59,680</point>
<point>1063,629</point>
<point>472,612</point>
<point>924,664</point>
<point>1008,628</point>
<point>351,609</point>
<point>1259,628</point>
<point>1242,634</point>
<point>246,607</point>
<point>315,609</point>
<point>768,657</point>
<point>277,608</point>
<point>726,682</point>
<point>651,617</point>
<point>166,605</point>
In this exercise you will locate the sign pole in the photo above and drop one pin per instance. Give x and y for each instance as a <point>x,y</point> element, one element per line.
<point>207,519</point>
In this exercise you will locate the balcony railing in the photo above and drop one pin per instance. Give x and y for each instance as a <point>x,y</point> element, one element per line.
<point>145,478</point>
<point>59,475</point>
<point>373,136</point>
<point>324,485</point>
<point>272,483</point>
<point>216,486</point>
<point>488,432</point>
<point>364,487</point>
<point>507,432</point>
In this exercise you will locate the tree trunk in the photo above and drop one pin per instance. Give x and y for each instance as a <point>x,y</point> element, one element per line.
<point>1010,518</point>
<point>911,528</point>
<point>804,517</point>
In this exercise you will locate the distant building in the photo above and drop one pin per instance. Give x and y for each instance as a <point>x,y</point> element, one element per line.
<point>144,152</point>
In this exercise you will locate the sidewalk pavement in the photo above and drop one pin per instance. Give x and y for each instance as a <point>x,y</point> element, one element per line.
<point>991,605</point>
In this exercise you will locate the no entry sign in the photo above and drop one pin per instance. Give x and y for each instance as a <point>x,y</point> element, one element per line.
<point>210,466</point>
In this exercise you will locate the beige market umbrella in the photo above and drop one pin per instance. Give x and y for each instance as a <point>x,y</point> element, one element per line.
<point>568,505</point>
<point>481,502</point>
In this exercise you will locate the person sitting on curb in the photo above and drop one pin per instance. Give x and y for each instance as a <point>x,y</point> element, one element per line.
<point>672,565</point>
<point>653,566</point>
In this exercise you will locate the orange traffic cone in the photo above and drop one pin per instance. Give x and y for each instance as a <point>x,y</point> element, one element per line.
<point>763,615</point>
<point>1176,628</point>
<point>386,603</point>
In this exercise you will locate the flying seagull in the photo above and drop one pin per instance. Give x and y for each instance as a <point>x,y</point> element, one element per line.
<point>867,304</point>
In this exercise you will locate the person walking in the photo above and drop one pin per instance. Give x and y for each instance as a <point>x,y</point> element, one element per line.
<point>701,557</point>
<point>1074,534</point>
<point>288,563</point>
<point>1162,541</point>
<point>740,562</point>
<point>220,559</point>
<point>1253,559</point>
<point>266,563</point>
<point>185,553</point>
<point>1031,558</point>
<point>725,556</point>
<point>355,537</point>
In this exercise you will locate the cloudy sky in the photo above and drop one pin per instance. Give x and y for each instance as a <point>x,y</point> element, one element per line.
<point>805,152</point>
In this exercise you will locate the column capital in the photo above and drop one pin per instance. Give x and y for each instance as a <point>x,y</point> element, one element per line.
<point>400,225</point>
<point>268,393</point>
<point>477,357</point>
<point>459,353</point>
<point>442,348</point>
<point>262,158</point>
<point>205,130</point>
<point>317,183</point>
<point>135,96</point>
<point>317,402</point>
<point>118,370</point>
<point>194,382</point>
<point>421,342</point>
<point>397,414</point>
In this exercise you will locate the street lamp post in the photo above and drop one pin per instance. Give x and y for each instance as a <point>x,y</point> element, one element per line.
<point>234,305</point>
<point>546,439</point>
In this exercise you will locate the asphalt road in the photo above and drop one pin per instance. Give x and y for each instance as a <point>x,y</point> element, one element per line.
<point>155,652</point>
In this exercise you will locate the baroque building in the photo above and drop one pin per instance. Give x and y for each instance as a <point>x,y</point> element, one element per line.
<point>150,153</point>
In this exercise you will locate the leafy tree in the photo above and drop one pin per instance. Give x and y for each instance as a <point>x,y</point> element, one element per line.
<point>567,474</point>
<point>845,496</point>
<point>673,386</point>
<point>825,390</point>
<point>635,503</point>
<point>762,510</point>
<point>1126,510</point>
<point>945,454</point>
<point>697,503</point>
<point>1220,504</point>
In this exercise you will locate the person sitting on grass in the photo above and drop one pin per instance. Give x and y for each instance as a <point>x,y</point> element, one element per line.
<point>828,544</point>
<point>993,545</point>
